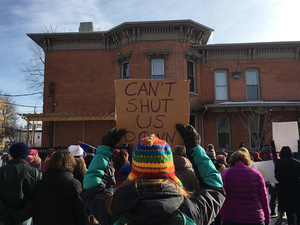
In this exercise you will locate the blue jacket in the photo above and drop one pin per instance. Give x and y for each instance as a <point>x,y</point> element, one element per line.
<point>154,203</point>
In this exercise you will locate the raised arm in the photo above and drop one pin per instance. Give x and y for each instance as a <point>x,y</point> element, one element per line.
<point>204,206</point>
<point>273,150</point>
<point>94,193</point>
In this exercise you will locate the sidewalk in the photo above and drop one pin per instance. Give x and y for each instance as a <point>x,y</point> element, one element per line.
<point>284,221</point>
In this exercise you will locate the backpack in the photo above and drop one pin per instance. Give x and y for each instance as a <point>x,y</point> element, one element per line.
<point>177,218</point>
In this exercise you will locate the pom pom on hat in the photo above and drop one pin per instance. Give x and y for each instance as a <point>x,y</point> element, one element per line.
<point>76,151</point>
<point>116,152</point>
<point>19,150</point>
<point>152,158</point>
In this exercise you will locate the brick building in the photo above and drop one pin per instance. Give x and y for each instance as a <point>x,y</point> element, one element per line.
<point>236,90</point>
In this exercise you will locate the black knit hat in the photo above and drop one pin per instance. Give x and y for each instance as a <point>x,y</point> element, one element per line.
<point>19,150</point>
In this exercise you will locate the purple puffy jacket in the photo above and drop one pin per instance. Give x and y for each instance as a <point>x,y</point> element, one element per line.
<point>246,195</point>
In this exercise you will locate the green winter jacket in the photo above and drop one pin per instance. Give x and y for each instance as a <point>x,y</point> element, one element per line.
<point>18,181</point>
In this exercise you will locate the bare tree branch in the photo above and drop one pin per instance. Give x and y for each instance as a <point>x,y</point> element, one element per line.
<point>34,70</point>
<point>258,122</point>
<point>9,126</point>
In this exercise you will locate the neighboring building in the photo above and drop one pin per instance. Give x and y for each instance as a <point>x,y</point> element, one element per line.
<point>34,135</point>
<point>3,116</point>
<point>227,80</point>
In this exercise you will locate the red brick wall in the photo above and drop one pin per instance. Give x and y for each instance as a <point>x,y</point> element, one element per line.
<point>279,79</point>
<point>239,132</point>
<point>84,83</point>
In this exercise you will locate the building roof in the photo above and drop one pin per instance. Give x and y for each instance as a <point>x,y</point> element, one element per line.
<point>252,103</point>
<point>127,32</point>
<point>66,117</point>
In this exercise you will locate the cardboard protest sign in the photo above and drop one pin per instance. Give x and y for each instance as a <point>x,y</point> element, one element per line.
<point>286,134</point>
<point>145,106</point>
<point>266,168</point>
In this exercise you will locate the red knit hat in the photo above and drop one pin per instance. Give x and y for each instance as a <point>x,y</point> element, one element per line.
<point>256,155</point>
<point>33,159</point>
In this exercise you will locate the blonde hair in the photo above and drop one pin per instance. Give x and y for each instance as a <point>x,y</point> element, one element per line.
<point>240,155</point>
<point>139,181</point>
<point>244,150</point>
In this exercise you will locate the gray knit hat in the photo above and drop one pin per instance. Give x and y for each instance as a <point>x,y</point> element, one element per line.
<point>211,151</point>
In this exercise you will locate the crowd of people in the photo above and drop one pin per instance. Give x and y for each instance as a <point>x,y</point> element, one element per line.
<point>151,185</point>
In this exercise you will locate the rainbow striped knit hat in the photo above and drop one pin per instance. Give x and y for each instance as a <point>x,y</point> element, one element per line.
<point>152,158</point>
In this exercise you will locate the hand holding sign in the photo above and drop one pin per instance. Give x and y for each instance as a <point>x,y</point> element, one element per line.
<point>190,136</point>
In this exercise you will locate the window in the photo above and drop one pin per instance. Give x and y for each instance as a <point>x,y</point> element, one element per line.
<point>157,69</point>
<point>223,130</point>
<point>1,112</point>
<point>193,121</point>
<point>252,84</point>
<point>191,75</point>
<point>123,61</point>
<point>125,70</point>
<point>221,85</point>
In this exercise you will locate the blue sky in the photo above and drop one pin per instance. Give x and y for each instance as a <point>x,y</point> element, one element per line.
<point>233,21</point>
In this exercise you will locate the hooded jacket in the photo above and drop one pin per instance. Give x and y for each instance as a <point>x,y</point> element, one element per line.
<point>58,200</point>
<point>246,195</point>
<point>154,203</point>
<point>287,173</point>
<point>185,172</point>
<point>18,182</point>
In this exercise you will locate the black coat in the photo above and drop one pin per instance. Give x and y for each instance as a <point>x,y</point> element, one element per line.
<point>287,173</point>
<point>58,200</point>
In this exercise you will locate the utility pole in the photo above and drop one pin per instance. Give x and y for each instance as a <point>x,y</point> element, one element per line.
<point>33,130</point>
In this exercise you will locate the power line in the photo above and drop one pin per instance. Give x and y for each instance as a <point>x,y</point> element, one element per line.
<point>21,95</point>
<point>26,105</point>
<point>8,103</point>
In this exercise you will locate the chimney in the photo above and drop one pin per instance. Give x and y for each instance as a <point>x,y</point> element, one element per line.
<point>86,27</point>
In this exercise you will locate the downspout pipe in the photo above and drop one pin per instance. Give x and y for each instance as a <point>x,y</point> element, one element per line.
<point>52,91</point>
<point>202,128</point>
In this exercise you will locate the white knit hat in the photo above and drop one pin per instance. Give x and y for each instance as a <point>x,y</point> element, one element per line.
<point>76,151</point>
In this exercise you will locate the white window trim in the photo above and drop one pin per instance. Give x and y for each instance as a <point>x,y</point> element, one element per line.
<point>227,85</point>
<point>258,83</point>
<point>194,75</point>
<point>196,119</point>
<point>164,69</point>
<point>122,70</point>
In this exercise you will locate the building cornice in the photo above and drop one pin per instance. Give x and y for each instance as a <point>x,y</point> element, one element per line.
<point>249,51</point>
<point>238,106</point>
<point>124,34</point>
